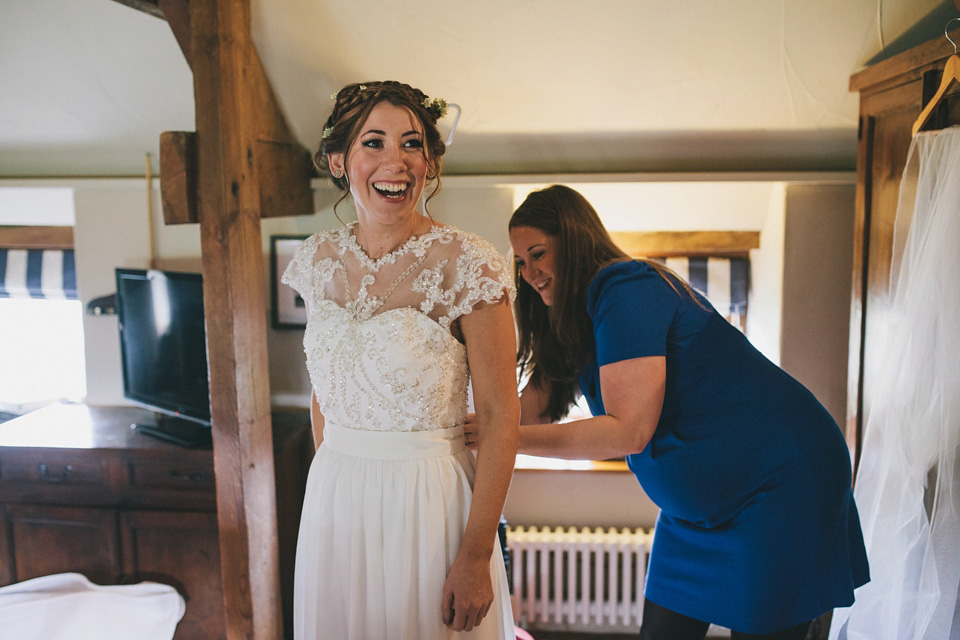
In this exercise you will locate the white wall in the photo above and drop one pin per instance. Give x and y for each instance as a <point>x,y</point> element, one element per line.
<point>36,205</point>
<point>483,209</point>
<point>578,498</point>
<point>670,204</point>
<point>766,279</point>
<point>111,231</point>
<point>817,272</point>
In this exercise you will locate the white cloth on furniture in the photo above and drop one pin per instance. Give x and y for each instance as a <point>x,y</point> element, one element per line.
<point>67,606</point>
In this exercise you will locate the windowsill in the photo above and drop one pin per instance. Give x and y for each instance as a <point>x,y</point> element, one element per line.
<point>536,463</point>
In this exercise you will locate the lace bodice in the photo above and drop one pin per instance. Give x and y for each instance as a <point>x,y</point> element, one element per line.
<point>379,349</point>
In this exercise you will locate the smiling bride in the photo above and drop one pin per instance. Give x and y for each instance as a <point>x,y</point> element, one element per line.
<point>398,536</point>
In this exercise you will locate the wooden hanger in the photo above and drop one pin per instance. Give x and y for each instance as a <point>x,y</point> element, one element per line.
<point>951,74</point>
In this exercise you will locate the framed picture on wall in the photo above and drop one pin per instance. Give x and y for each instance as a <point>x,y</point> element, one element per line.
<point>289,310</point>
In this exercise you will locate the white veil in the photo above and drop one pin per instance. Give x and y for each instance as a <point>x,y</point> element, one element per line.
<point>907,482</point>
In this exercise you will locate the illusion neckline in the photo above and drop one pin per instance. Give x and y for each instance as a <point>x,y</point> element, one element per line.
<point>390,257</point>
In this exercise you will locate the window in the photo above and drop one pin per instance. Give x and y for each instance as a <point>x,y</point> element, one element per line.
<point>41,349</point>
<point>723,280</point>
<point>41,320</point>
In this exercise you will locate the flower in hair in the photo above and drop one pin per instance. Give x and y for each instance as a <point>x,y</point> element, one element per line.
<point>327,132</point>
<point>436,106</point>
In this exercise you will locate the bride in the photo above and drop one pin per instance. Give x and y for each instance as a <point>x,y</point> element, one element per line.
<point>398,536</point>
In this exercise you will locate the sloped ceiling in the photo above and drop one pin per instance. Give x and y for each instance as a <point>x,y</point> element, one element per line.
<point>87,86</point>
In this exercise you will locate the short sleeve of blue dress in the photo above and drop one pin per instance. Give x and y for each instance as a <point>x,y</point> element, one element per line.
<point>624,300</point>
<point>758,530</point>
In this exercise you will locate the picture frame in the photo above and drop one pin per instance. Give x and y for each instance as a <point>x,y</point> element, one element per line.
<point>289,310</point>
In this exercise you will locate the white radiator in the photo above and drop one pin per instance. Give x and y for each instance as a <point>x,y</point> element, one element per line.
<point>579,579</point>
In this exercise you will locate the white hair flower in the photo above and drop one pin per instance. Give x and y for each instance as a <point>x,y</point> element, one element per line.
<point>437,106</point>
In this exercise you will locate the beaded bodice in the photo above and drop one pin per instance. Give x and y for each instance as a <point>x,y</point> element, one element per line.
<point>378,340</point>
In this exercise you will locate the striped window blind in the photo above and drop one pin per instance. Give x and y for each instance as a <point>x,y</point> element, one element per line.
<point>38,273</point>
<point>724,281</point>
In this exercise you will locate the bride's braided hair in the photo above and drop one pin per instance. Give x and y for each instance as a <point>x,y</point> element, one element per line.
<point>354,103</point>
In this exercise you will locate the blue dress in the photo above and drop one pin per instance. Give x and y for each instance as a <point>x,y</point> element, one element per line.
<point>758,530</point>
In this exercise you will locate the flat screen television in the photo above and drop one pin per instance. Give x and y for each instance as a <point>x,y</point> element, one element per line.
<point>163,352</point>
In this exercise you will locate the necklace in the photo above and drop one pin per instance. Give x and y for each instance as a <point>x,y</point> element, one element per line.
<point>363,307</point>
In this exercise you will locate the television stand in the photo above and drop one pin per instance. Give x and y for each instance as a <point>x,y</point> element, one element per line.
<point>182,432</point>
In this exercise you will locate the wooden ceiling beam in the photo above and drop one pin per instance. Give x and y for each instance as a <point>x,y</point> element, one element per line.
<point>175,12</point>
<point>146,6</point>
<point>661,244</point>
<point>24,237</point>
<point>282,164</point>
<point>177,15</point>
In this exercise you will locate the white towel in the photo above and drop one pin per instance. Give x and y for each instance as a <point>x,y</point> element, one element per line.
<point>67,606</point>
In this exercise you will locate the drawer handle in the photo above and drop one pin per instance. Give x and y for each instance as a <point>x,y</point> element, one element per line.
<point>199,476</point>
<point>45,473</point>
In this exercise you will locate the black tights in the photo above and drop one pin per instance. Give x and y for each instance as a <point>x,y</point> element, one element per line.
<point>660,623</point>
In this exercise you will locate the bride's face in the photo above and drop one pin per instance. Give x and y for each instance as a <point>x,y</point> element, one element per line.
<point>386,165</point>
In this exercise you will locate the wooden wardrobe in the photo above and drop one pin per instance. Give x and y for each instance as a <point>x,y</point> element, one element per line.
<point>892,95</point>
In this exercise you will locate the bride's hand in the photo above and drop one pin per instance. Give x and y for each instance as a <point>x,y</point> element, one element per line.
<point>470,431</point>
<point>467,594</point>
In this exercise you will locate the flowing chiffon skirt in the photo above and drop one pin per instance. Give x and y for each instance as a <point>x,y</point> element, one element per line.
<point>382,521</point>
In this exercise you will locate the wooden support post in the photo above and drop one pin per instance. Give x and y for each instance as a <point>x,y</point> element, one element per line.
<point>228,124</point>
<point>243,163</point>
<point>178,177</point>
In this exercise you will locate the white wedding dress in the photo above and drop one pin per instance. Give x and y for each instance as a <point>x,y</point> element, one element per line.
<point>908,481</point>
<point>389,490</point>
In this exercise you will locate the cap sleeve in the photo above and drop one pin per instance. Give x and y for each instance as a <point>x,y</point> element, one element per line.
<point>297,273</point>
<point>476,274</point>
<point>311,268</point>
<point>632,308</point>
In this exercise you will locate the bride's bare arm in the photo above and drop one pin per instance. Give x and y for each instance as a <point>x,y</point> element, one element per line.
<point>491,351</point>
<point>316,421</point>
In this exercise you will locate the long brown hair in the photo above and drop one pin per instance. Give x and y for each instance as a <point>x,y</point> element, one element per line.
<point>556,342</point>
<point>354,103</point>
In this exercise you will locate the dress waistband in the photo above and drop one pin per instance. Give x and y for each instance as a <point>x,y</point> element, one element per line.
<point>394,445</point>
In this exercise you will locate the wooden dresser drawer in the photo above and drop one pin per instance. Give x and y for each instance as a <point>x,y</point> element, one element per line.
<point>165,474</point>
<point>53,467</point>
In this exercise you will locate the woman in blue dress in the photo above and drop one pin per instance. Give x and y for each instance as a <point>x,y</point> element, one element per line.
<point>758,531</point>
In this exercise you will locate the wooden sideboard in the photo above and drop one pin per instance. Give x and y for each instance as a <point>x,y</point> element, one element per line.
<point>81,491</point>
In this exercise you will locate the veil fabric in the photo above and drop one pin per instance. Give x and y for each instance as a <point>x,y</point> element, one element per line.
<point>907,483</point>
